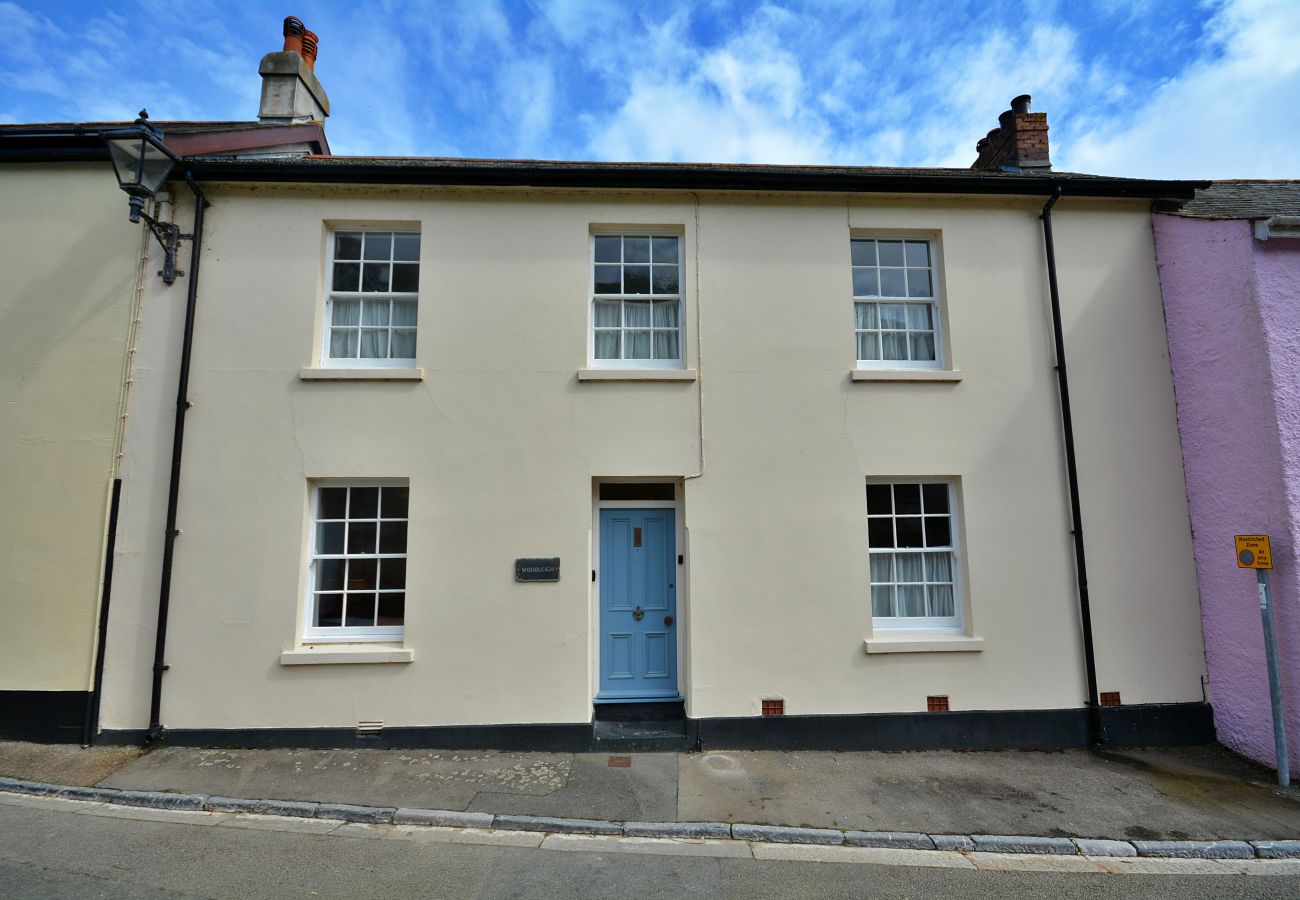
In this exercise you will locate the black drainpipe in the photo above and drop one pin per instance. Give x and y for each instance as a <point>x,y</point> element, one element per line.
<point>173,490</point>
<point>91,726</point>
<point>1072,472</point>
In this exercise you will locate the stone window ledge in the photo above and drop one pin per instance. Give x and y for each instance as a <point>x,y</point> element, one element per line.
<point>944,375</point>
<point>924,643</point>
<point>318,374</point>
<point>327,654</point>
<point>636,375</point>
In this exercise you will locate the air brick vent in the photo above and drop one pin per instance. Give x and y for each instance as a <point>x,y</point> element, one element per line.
<point>773,707</point>
<point>370,729</point>
<point>936,703</point>
<point>1110,698</point>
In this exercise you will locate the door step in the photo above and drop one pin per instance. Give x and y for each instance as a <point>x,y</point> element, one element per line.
<point>639,737</point>
<point>659,711</point>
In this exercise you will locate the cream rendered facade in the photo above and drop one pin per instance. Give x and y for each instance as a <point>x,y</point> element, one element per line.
<point>767,435</point>
<point>66,311</point>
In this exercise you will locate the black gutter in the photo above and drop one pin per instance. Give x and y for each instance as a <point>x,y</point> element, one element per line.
<point>91,726</point>
<point>178,444</point>
<point>1072,474</point>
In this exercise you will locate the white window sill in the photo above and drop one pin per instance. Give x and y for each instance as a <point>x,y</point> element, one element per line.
<point>346,653</point>
<point>361,374</point>
<point>923,643</point>
<point>948,375</point>
<point>636,374</point>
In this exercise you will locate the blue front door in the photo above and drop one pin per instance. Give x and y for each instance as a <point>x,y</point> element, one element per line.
<point>638,604</point>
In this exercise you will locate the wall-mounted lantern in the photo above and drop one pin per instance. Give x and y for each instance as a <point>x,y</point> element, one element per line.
<point>142,163</point>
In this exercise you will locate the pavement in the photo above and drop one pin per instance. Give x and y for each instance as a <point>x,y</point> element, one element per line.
<point>1200,793</point>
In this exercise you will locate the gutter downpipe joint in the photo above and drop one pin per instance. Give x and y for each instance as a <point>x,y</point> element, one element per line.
<point>155,732</point>
<point>1072,473</point>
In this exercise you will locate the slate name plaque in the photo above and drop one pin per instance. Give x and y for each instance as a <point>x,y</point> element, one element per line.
<point>537,569</point>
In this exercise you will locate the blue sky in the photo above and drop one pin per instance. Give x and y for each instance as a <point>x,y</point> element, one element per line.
<point>1165,88</point>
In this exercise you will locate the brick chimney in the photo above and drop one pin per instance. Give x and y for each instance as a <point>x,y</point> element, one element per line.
<point>291,94</point>
<point>1018,144</point>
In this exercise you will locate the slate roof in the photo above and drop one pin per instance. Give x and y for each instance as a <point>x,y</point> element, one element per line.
<point>1243,199</point>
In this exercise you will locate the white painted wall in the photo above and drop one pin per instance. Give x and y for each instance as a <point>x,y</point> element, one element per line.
<point>501,443</point>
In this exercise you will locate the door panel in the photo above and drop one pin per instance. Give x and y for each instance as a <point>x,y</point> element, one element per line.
<point>638,604</point>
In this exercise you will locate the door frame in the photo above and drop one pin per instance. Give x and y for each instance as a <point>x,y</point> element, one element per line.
<point>679,534</point>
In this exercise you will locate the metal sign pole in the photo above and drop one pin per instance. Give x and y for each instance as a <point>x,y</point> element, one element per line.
<point>1274,679</point>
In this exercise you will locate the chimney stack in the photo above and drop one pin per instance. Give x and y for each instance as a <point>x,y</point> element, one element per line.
<point>291,94</point>
<point>1018,144</point>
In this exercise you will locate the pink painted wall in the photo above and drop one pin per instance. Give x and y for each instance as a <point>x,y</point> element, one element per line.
<point>1232,309</point>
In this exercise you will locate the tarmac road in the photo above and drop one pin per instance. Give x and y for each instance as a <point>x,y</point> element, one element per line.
<point>48,850</point>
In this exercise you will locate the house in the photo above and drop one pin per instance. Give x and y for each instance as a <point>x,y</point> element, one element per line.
<point>70,308</point>
<point>572,455</point>
<point>1230,268</point>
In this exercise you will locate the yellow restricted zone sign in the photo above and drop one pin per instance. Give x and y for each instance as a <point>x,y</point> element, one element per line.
<point>1253,552</point>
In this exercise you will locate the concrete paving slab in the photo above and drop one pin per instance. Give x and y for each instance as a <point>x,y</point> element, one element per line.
<point>146,814</point>
<point>39,802</point>
<point>1151,866</point>
<point>433,835</point>
<point>1031,862</point>
<point>873,855</point>
<point>1196,793</point>
<point>258,822</point>
<point>362,830</point>
<point>651,846</point>
<point>1278,867</point>
<point>63,763</point>
<point>644,791</point>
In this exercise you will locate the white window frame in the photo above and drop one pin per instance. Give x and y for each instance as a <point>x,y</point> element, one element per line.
<point>312,634</point>
<point>953,624</point>
<point>331,295</point>
<point>934,301</point>
<point>592,297</point>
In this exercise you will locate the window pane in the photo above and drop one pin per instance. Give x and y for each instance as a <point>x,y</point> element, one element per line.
<point>665,314</point>
<point>909,531</point>
<point>606,313</point>
<point>918,317</point>
<point>347,245</point>
<point>665,280</point>
<point>882,601</point>
<point>880,533</point>
<point>395,503</point>
<point>374,312</point>
<point>893,315</point>
<point>361,610</point>
<point>636,279</point>
<point>665,249</point>
<point>363,573</point>
<point>406,246</point>
<point>895,345</point>
<point>365,503</point>
<point>918,253</point>
<point>406,279</point>
<point>910,567</point>
<point>375,277</point>
<point>911,600</point>
<point>329,610</point>
<point>402,345</point>
<point>374,343</point>
<point>864,252</point>
<point>891,253</point>
<point>922,345</point>
<point>907,498</point>
<point>361,537</point>
<point>345,312</point>
<point>329,537</point>
<point>878,500</point>
<point>391,610</point>
<point>392,573</point>
<point>607,345</point>
<point>892,283</point>
<point>343,343</point>
<point>865,283</point>
<point>864,315</point>
<point>918,283</point>
<point>332,503</point>
<point>405,312</point>
<point>665,345</point>
<point>607,280</point>
<point>882,568</point>
<point>938,533</point>
<point>329,574</point>
<point>938,567</point>
<point>936,497</point>
<point>869,345</point>
<point>636,315</point>
<point>638,345</point>
<point>941,600</point>
<point>636,249</point>
<point>608,249</point>
<point>379,245</point>
<point>392,538</point>
<point>347,276</point>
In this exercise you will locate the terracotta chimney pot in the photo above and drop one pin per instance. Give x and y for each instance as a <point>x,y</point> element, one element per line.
<point>293,32</point>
